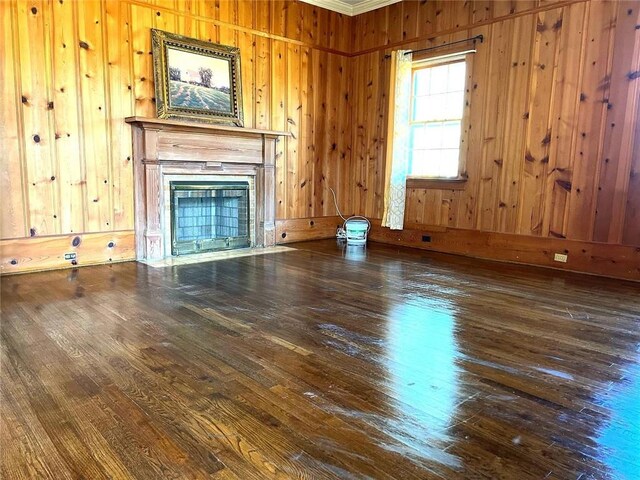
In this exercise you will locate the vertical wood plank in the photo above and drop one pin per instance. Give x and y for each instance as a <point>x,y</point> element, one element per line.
<point>482,10</point>
<point>279,122</point>
<point>409,19</point>
<point>206,30</point>
<point>93,91</point>
<point>293,12</point>
<point>38,123</point>
<point>363,132</point>
<point>414,210</point>
<point>307,147</point>
<point>294,182</point>
<point>120,107</point>
<point>540,113</point>
<point>357,143</point>
<point>426,18</point>
<point>143,88</point>
<point>615,160</point>
<point>278,17</point>
<point>590,124</point>
<point>247,45</point>
<point>446,206</point>
<point>322,32</point>
<point>163,19</point>
<point>186,23</point>
<point>494,125</point>
<point>316,163</point>
<point>631,229</point>
<point>564,121</point>
<point>433,199</point>
<point>478,85</point>
<point>330,174</point>
<point>345,147</point>
<point>372,104</point>
<point>262,99</point>
<point>68,126</point>
<point>383,72</point>
<point>13,214</point>
<point>228,13</point>
<point>516,123</point>
<point>394,17</point>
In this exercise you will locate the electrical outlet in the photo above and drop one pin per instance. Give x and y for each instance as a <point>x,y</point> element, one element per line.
<point>560,257</point>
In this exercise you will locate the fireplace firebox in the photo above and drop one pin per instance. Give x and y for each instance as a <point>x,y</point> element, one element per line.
<point>209,216</point>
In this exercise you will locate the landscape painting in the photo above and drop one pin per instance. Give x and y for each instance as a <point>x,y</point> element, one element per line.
<point>196,80</point>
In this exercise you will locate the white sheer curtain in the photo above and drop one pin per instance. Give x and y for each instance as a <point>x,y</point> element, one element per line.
<point>397,166</point>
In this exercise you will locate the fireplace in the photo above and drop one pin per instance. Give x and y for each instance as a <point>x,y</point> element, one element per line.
<point>209,216</point>
<point>220,181</point>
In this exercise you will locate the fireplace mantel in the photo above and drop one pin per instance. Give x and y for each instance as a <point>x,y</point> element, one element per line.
<point>168,147</point>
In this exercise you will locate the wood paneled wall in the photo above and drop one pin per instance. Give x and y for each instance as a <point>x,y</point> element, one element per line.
<point>73,70</point>
<point>552,146</point>
<point>552,142</point>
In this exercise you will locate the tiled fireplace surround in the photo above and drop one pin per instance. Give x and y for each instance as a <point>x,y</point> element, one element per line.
<point>168,150</point>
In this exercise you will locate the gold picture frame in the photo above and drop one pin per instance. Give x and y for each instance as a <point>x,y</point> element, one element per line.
<point>196,80</point>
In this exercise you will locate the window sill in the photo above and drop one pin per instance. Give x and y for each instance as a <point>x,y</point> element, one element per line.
<point>437,183</point>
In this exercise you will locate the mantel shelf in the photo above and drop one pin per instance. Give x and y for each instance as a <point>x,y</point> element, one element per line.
<point>165,124</point>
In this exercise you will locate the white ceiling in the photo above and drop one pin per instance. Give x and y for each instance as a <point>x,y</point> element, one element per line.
<point>351,7</point>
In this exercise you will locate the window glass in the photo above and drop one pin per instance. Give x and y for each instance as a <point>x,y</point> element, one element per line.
<point>437,106</point>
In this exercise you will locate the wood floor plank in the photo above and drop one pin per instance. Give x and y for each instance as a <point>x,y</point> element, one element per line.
<point>320,362</point>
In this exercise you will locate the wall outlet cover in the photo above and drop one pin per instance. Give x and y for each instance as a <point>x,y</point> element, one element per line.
<point>560,257</point>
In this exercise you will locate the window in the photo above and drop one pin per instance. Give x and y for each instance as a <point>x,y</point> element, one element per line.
<point>437,104</point>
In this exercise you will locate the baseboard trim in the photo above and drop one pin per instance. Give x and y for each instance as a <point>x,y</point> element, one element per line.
<point>303,229</point>
<point>608,260</point>
<point>48,253</point>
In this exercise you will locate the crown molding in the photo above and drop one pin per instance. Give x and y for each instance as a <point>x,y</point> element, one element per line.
<point>368,5</point>
<point>345,8</point>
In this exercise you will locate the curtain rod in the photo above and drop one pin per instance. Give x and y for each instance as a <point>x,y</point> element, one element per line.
<point>471,39</point>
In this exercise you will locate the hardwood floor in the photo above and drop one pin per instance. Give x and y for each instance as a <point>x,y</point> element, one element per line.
<point>320,363</point>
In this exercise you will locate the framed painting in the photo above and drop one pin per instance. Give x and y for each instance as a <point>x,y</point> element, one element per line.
<point>196,80</point>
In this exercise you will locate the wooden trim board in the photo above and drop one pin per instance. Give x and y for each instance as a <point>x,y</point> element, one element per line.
<point>47,253</point>
<point>239,28</point>
<point>303,229</point>
<point>461,28</point>
<point>353,51</point>
<point>617,261</point>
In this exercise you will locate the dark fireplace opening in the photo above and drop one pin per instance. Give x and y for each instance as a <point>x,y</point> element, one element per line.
<point>209,216</point>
